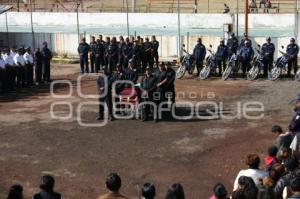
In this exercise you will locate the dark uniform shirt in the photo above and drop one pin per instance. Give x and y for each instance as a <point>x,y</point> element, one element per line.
<point>247,53</point>
<point>268,50</point>
<point>127,51</point>
<point>232,44</point>
<point>93,47</point>
<point>100,48</point>
<point>113,50</point>
<point>155,45</point>
<point>170,78</point>
<point>294,126</point>
<point>147,48</point>
<point>83,49</point>
<point>222,52</point>
<point>292,50</point>
<point>131,75</point>
<point>243,42</point>
<point>199,52</point>
<point>149,85</point>
<point>47,54</point>
<point>38,58</point>
<point>47,195</point>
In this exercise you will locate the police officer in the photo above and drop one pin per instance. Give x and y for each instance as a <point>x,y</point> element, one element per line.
<point>136,54</point>
<point>93,48</point>
<point>113,52</point>
<point>131,73</point>
<point>148,86</point>
<point>199,55</point>
<point>170,87</point>
<point>292,50</point>
<point>294,125</point>
<point>161,82</point>
<point>245,56</point>
<point>155,46</point>
<point>29,66</point>
<point>246,38</point>
<point>121,57</point>
<point>107,99</point>
<point>83,50</point>
<point>10,69</point>
<point>38,61</point>
<point>99,62</point>
<point>148,61</point>
<point>47,56</point>
<point>127,52</point>
<point>268,50</point>
<point>20,68</point>
<point>221,55</point>
<point>3,76</point>
<point>232,45</point>
<point>106,54</point>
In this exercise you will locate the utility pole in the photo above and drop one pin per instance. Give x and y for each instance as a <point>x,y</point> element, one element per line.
<point>127,17</point>
<point>78,34</point>
<point>237,18</point>
<point>31,21</point>
<point>179,34</point>
<point>246,16</point>
<point>196,7</point>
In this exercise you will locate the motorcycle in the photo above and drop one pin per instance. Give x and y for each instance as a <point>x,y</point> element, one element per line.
<point>280,65</point>
<point>232,66</point>
<point>257,65</point>
<point>186,64</point>
<point>297,76</point>
<point>211,65</point>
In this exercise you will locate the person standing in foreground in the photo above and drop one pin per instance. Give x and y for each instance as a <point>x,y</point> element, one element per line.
<point>199,55</point>
<point>47,189</point>
<point>268,50</point>
<point>292,50</point>
<point>83,50</point>
<point>47,56</point>
<point>113,184</point>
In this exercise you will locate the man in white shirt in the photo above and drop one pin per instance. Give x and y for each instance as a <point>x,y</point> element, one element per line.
<point>29,66</point>
<point>10,69</point>
<point>253,172</point>
<point>20,68</point>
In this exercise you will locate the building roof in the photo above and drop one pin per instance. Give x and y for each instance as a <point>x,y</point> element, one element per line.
<point>4,8</point>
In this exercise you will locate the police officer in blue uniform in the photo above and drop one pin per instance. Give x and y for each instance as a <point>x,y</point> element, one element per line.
<point>199,55</point>
<point>127,52</point>
<point>121,57</point>
<point>221,55</point>
<point>246,38</point>
<point>268,50</point>
<point>113,54</point>
<point>147,60</point>
<point>47,56</point>
<point>232,45</point>
<point>292,50</point>
<point>170,86</point>
<point>155,46</point>
<point>294,126</point>
<point>245,56</point>
<point>93,48</point>
<point>106,54</point>
<point>83,50</point>
<point>100,50</point>
<point>136,54</point>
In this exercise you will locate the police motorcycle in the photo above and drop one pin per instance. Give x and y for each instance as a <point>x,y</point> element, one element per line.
<point>280,65</point>
<point>186,64</point>
<point>232,66</point>
<point>257,65</point>
<point>211,65</point>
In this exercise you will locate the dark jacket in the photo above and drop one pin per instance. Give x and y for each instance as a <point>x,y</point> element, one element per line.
<point>113,50</point>
<point>268,51</point>
<point>243,42</point>
<point>199,52</point>
<point>292,50</point>
<point>47,195</point>
<point>232,45</point>
<point>127,51</point>
<point>294,126</point>
<point>47,54</point>
<point>155,45</point>
<point>222,52</point>
<point>93,47</point>
<point>83,49</point>
<point>149,85</point>
<point>131,75</point>
<point>246,53</point>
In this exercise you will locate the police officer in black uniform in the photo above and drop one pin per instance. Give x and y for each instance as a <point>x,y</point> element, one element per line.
<point>83,50</point>
<point>148,86</point>
<point>232,45</point>
<point>47,56</point>
<point>113,54</point>
<point>127,52</point>
<point>199,55</point>
<point>136,54</point>
<point>121,57</point>
<point>221,55</point>
<point>93,49</point>
<point>155,46</point>
<point>148,61</point>
<point>292,50</point>
<point>161,82</point>
<point>38,62</point>
<point>106,54</point>
<point>107,99</point>
<point>294,125</point>
<point>131,73</point>
<point>170,86</point>
<point>268,50</point>
<point>245,56</point>
<point>100,50</point>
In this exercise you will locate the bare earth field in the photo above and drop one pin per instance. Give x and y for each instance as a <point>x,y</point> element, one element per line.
<point>196,153</point>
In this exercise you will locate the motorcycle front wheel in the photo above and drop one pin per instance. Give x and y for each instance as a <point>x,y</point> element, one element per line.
<point>227,72</point>
<point>204,73</point>
<point>297,75</point>
<point>275,73</point>
<point>180,71</point>
<point>253,73</point>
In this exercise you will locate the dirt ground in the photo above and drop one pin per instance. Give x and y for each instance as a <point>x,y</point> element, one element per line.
<point>196,153</point>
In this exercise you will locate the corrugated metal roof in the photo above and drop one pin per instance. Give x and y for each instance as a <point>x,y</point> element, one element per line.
<point>4,8</point>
